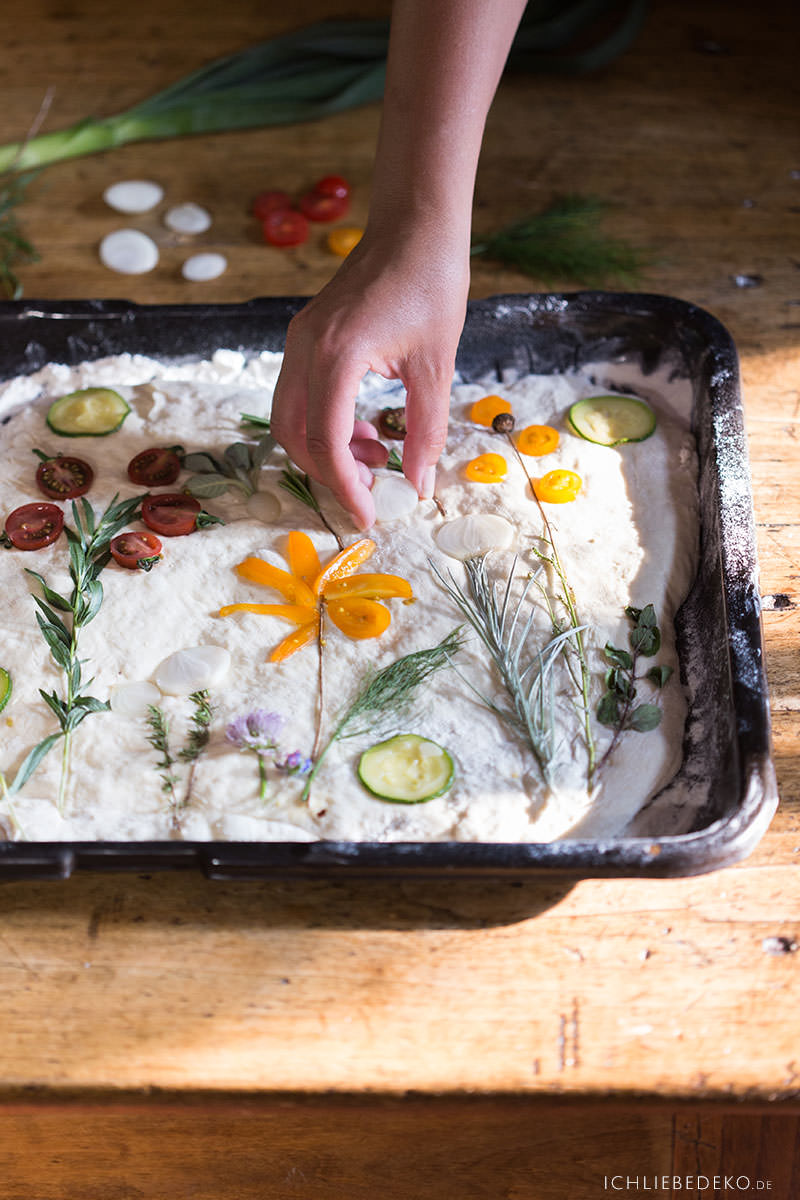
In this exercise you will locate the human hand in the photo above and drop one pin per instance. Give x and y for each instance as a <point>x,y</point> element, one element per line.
<point>396,306</point>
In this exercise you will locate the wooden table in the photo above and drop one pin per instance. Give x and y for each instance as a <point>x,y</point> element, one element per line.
<point>162,1035</point>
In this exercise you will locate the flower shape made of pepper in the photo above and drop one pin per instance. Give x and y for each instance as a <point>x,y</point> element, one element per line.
<point>351,601</point>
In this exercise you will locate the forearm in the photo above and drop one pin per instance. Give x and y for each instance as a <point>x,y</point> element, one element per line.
<point>445,60</point>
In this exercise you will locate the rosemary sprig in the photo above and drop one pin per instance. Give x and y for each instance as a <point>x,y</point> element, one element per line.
<point>239,468</point>
<point>88,555</point>
<point>503,424</point>
<point>298,484</point>
<point>387,694</point>
<point>616,709</point>
<point>503,627</point>
<point>565,242</point>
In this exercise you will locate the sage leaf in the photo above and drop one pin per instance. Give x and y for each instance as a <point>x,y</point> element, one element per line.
<point>208,488</point>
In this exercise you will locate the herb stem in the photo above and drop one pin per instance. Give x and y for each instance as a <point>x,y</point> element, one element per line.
<point>568,598</point>
<point>320,677</point>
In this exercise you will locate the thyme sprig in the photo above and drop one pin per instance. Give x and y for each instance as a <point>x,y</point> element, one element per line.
<point>196,742</point>
<point>298,484</point>
<point>386,694</point>
<point>61,618</point>
<point>616,707</point>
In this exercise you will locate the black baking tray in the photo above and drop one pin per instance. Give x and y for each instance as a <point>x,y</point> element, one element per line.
<point>725,793</point>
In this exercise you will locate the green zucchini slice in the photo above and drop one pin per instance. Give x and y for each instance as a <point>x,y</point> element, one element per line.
<point>89,412</point>
<point>406,769</point>
<point>609,420</point>
<point>5,688</point>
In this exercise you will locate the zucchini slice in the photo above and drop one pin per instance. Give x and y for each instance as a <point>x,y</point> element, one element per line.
<point>5,688</point>
<point>89,412</point>
<point>609,420</point>
<point>406,769</point>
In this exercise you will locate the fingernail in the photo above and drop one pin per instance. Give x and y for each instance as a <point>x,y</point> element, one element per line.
<point>428,486</point>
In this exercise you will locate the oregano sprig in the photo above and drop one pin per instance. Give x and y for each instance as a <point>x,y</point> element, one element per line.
<point>616,708</point>
<point>61,618</point>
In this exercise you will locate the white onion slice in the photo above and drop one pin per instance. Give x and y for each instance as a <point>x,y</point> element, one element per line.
<point>132,700</point>
<point>474,534</point>
<point>188,218</point>
<point>128,251</point>
<point>394,497</point>
<point>133,195</point>
<point>264,507</point>
<point>191,670</point>
<point>202,267</point>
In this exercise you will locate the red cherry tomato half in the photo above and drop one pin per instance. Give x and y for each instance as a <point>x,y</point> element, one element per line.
<point>172,514</point>
<point>267,202</point>
<point>64,478</point>
<point>285,227</point>
<point>136,550</point>
<point>155,467</point>
<point>333,185</point>
<point>34,525</point>
<point>319,207</point>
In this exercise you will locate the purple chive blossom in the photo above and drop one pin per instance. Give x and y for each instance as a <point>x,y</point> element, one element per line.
<point>295,764</point>
<point>258,730</point>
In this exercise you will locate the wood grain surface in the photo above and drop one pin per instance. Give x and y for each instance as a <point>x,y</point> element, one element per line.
<point>320,1039</point>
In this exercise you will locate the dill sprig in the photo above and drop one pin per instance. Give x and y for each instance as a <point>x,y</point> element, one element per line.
<point>298,484</point>
<point>503,627</point>
<point>386,694</point>
<point>88,555</point>
<point>565,242</point>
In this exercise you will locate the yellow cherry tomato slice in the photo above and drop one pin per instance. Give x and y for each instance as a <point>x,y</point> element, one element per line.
<point>537,440</point>
<point>344,239</point>
<point>298,614</point>
<point>486,468</point>
<point>359,617</point>
<point>484,411</point>
<point>557,487</point>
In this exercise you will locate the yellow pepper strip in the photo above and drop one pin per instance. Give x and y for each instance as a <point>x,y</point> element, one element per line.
<point>373,587</point>
<point>486,468</point>
<point>359,618</point>
<point>303,558</point>
<point>537,440</point>
<point>292,589</point>
<point>296,639</point>
<point>557,487</point>
<point>298,614</point>
<point>343,564</point>
<point>484,411</point>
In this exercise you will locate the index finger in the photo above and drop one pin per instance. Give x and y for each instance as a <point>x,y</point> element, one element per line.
<point>329,428</point>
